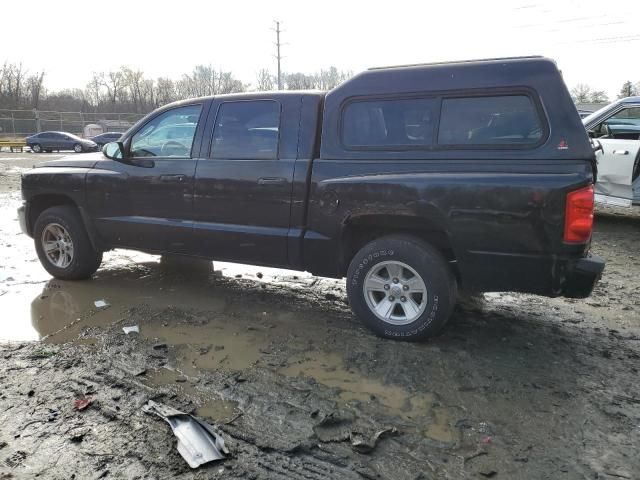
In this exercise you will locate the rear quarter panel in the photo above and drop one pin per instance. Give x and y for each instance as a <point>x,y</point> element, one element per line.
<point>498,216</point>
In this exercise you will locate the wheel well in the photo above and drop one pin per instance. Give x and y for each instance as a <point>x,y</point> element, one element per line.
<point>358,233</point>
<point>40,203</point>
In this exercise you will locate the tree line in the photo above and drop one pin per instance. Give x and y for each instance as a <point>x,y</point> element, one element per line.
<point>130,90</point>
<point>583,93</point>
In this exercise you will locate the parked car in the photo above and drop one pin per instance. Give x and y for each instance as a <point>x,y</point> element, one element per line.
<point>413,182</point>
<point>105,138</point>
<point>58,141</point>
<point>617,129</point>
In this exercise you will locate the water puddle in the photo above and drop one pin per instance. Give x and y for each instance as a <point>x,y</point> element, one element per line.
<point>432,419</point>
<point>35,306</point>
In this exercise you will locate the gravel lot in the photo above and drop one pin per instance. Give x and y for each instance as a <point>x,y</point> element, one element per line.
<point>517,387</point>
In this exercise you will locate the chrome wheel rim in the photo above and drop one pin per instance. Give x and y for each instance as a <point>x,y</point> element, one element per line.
<point>395,292</point>
<point>78,148</point>
<point>57,245</point>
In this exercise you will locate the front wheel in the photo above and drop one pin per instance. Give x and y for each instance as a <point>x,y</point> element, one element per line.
<point>63,246</point>
<point>77,148</point>
<point>401,288</point>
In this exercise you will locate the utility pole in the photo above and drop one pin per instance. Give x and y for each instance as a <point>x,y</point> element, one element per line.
<point>278,54</point>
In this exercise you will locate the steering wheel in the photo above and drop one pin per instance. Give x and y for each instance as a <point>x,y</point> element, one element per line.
<point>172,149</point>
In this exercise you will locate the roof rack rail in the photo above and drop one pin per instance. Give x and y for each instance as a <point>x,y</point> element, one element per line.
<point>526,57</point>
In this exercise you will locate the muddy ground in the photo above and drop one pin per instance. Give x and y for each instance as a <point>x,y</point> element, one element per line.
<point>517,387</point>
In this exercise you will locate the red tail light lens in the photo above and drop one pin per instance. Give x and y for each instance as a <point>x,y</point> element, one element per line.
<point>578,220</point>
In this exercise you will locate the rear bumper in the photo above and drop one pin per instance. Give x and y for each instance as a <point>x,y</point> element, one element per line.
<point>582,277</point>
<point>550,275</point>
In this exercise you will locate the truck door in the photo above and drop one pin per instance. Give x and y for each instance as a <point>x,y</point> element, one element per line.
<point>243,185</point>
<point>146,201</point>
<point>619,135</point>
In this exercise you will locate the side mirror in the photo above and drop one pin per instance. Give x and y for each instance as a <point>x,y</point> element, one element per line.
<point>113,150</point>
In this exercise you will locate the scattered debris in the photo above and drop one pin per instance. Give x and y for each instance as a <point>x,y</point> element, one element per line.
<point>198,442</point>
<point>486,440</point>
<point>478,453</point>
<point>363,444</point>
<point>488,473</point>
<point>131,329</point>
<point>77,437</point>
<point>160,346</point>
<point>82,403</point>
<point>101,304</point>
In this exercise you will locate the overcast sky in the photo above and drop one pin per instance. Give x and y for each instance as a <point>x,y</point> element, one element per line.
<point>594,42</point>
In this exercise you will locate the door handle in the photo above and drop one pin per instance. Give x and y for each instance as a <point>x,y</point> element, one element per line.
<point>621,152</point>
<point>173,178</point>
<point>272,181</point>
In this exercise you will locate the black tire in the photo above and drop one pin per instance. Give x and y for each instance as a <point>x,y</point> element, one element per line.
<point>77,148</point>
<point>85,259</point>
<point>36,148</point>
<point>427,262</point>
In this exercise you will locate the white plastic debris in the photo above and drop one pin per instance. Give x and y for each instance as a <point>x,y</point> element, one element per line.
<point>198,442</point>
<point>131,329</point>
<point>101,304</point>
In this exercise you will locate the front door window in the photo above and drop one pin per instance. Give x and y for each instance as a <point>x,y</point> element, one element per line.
<point>170,134</point>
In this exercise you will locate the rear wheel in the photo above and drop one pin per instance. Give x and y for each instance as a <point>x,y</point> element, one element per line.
<point>36,148</point>
<point>63,246</point>
<point>401,287</point>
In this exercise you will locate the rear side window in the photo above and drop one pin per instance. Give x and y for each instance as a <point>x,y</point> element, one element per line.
<point>247,130</point>
<point>490,120</point>
<point>389,123</point>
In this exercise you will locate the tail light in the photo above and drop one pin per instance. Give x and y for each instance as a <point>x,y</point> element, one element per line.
<point>578,220</point>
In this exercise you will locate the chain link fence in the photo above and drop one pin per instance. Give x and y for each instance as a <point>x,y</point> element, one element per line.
<point>22,123</point>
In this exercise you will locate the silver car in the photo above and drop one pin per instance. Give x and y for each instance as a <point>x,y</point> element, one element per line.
<point>617,128</point>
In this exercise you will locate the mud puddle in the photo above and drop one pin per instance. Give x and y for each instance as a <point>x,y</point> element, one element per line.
<point>208,405</point>
<point>421,410</point>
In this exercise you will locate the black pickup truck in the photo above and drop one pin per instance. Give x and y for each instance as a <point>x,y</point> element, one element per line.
<point>411,181</point>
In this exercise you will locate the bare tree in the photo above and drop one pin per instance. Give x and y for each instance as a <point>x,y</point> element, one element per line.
<point>581,93</point>
<point>94,89</point>
<point>331,78</point>
<point>265,81</point>
<point>205,80</point>
<point>35,88</point>
<point>114,83</point>
<point>628,90</point>
<point>299,81</point>
<point>165,91</point>
<point>599,96</point>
